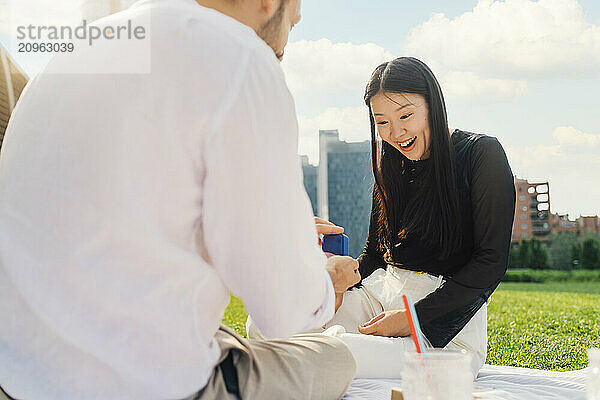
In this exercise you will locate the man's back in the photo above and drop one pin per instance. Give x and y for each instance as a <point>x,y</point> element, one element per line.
<point>104,292</point>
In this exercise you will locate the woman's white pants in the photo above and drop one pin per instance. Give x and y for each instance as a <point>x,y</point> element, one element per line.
<point>381,357</point>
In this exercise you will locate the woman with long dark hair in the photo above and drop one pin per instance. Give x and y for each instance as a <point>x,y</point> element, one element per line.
<point>440,230</point>
<point>441,219</point>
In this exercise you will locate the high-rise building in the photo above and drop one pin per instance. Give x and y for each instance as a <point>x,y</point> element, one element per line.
<point>310,181</point>
<point>92,10</point>
<point>343,186</point>
<point>12,81</point>
<point>325,137</point>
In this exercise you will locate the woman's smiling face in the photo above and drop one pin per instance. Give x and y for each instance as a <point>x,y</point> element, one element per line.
<point>402,120</point>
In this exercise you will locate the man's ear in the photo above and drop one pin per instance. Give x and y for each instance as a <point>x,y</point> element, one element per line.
<point>268,7</point>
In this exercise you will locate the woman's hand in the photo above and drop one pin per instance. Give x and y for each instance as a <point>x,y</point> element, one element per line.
<point>388,323</point>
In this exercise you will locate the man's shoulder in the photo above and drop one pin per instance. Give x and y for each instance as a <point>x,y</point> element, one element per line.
<point>206,49</point>
<point>206,23</point>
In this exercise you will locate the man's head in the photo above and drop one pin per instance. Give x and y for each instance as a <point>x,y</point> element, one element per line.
<point>271,19</point>
<point>276,30</point>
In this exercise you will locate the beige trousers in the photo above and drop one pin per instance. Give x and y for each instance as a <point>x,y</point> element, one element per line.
<point>303,367</point>
<point>3,396</point>
<point>307,366</point>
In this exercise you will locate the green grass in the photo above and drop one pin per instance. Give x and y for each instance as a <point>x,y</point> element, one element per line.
<point>235,316</point>
<point>557,287</point>
<point>550,275</point>
<point>546,326</point>
<point>534,325</point>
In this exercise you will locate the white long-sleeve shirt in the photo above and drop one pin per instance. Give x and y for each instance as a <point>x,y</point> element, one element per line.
<point>131,205</point>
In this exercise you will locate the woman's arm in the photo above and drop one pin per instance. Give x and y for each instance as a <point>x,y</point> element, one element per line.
<point>444,312</point>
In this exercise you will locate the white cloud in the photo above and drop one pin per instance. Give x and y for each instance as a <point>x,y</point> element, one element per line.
<point>570,161</point>
<point>514,39</point>
<point>321,74</point>
<point>322,66</point>
<point>319,70</point>
<point>470,87</point>
<point>351,122</point>
<point>571,136</point>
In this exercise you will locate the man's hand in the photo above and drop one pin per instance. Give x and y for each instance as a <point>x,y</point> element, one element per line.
<point>326,228</point>
<point>388,323</point>
<point>343,272</point>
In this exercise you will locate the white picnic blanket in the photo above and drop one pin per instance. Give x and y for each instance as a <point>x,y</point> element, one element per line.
<point>493,383</point>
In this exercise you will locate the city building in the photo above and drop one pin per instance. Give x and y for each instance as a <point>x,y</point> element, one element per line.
<point>92,10</point>
<point>562,223</point>
<point>12,82</point>
<point>340,186</point>
<point>590,224</point>
<point>532,210</point>
<point>581,226</point>
<point>533,216</point>
<point>310,181</point>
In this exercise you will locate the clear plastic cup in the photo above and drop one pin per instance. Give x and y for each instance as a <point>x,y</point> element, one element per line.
<point>593,378</point>
<point>437,375</point>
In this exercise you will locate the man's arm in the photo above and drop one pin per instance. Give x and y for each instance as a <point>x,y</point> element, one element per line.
<point>258,224</point>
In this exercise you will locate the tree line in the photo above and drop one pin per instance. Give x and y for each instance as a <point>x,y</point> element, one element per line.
<point>563,250</point>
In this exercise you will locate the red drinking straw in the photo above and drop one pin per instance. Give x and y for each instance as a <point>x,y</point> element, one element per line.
<point>413,323</point>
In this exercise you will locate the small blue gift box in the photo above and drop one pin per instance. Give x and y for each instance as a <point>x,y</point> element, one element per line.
<point>336,244</point>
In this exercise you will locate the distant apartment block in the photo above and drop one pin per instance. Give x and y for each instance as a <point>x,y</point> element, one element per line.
<point>340,186</point>
<point>533,216</point>
<point>12,83</point>
<point>532,210</point>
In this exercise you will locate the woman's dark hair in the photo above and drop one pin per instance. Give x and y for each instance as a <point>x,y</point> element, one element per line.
<point>432,215</point>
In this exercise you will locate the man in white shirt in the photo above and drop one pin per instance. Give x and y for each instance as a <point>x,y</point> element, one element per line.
<point>132,205</point>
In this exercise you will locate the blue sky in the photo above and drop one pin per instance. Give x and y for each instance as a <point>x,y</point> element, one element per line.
<point>388,25</point>
<point>525,71</point>
<point>384,22</point>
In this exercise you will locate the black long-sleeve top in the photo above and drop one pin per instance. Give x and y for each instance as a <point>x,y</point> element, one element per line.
<point>472,272</point>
